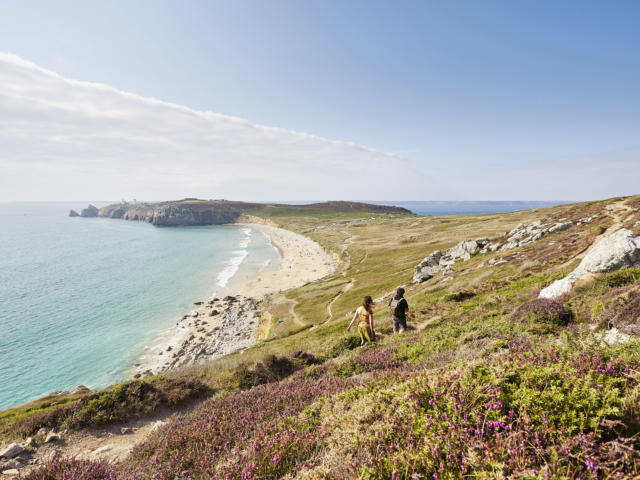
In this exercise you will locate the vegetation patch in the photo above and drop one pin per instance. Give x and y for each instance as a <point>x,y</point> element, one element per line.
<point>272,368</point>
<point>460,296</point>
<point>543,310</point>
<point>134,399</point>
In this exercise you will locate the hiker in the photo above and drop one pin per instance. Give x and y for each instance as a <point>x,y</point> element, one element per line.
<point>399,311</point>
<point>365,326</point>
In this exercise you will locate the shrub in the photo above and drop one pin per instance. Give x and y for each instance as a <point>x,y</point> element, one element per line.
<point>368,361</point>
<point>271,369</point>
<point>620,278</point>
<point>460,296</point>
<point>623,314</point>
<point>68,468</point>
<point>543,310</point>
<point>345,343</point>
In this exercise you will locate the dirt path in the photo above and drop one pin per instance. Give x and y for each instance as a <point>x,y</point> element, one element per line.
<point>292,310</point>
<point>345,251</point>
<point>111,443</point>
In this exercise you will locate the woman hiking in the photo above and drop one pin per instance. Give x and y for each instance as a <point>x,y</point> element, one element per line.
<point>365,326</point>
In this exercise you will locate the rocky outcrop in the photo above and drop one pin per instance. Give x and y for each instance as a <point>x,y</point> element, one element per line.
<point>73,213</point>
<point>617,250</point>
<point>437,260</point>
<point>89,212</point>
<point>524,234</point>
<point>219,327</point>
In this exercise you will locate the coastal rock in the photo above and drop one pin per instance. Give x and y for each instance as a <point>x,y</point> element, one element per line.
<point>89,212</point>
<point>12,450</point>
<point>617,250</point>
<point>73,213</point>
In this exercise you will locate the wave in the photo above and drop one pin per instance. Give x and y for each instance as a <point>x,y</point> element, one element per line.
<point>233,264</point>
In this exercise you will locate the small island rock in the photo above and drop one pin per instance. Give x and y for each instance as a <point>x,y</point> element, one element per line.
<point>90,211</point>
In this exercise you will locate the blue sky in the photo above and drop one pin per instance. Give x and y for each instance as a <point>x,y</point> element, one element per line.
<point>481,100</point>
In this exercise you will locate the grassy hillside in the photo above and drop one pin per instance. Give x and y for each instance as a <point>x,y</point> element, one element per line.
<point>489,382</point>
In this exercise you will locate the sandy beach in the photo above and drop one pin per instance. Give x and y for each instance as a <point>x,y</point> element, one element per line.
<point>221,325</point>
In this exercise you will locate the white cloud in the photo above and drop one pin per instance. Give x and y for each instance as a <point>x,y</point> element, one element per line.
<point>67,139</point>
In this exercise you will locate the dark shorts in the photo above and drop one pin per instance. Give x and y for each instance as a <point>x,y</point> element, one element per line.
<point>399,323</point>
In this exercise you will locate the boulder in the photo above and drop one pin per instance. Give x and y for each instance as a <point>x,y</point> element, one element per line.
<point>73,213</point>
<point>10,472</point>
<point>463,250</point>
<point>13,463</point>
<point>90,211</point>
<point>428,267</point>
<point>558,227</point>
<point>617,250</point>
<point>52,437</point>
<point>12,450</point>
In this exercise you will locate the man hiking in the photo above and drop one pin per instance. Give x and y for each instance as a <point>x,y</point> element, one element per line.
<point>399,311</point>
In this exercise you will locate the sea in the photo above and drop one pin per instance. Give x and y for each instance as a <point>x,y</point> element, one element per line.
<point>80,298</point>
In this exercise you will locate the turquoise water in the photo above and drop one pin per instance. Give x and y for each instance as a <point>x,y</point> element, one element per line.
<point>80,297</point>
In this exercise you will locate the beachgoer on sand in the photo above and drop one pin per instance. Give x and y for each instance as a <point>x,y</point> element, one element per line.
<point>365,326</point>
<point>399,311</point>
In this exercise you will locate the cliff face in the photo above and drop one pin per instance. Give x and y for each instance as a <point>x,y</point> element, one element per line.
<point>175,214</point>
<point>219,212</point>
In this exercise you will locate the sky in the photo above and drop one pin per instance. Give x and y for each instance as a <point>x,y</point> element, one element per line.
<point>319,100</point>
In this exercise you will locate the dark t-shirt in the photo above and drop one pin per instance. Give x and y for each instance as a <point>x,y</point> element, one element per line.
<point>399,306</point>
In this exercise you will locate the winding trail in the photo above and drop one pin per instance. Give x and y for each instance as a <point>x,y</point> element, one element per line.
<point>345,251</point>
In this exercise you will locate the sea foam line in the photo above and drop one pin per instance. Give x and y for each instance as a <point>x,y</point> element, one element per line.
<point>233,264</point>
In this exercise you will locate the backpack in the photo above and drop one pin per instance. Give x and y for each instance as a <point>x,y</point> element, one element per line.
<point>397,311</point>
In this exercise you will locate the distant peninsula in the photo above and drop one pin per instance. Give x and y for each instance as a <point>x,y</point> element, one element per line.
<point>192,211</point>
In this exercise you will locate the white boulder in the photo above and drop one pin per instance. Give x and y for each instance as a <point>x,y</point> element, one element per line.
<point>617,250</point>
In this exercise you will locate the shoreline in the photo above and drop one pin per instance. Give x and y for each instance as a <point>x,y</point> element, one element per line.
<point>229,322</point>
